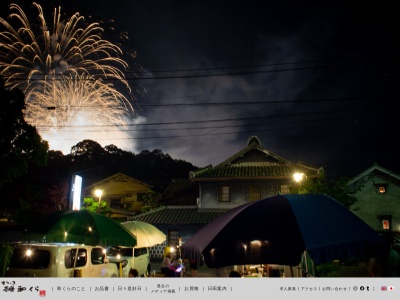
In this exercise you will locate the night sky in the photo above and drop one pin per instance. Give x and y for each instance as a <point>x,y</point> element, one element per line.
<point>317,83</point>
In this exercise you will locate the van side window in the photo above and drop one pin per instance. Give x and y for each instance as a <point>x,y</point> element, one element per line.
<point>97,256</point>
<point>70,255</point>
<point>140,251</point>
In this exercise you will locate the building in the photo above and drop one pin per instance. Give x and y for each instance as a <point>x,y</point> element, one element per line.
<point>251,174</point>
<point>123,194</point>
<point>378,199</point>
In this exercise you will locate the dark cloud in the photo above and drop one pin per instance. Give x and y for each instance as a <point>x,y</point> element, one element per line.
<point>316,82</point>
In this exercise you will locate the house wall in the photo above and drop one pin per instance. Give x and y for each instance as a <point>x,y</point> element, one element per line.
<point>125,193</point>
<point>372,204</point>
<point>239,191</point>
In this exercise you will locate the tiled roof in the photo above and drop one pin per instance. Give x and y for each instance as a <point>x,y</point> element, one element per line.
<point>181,192</point>
<point>253,162</point>
<point>379,171</point>
<point>179,216</point>
<point>252,170</point>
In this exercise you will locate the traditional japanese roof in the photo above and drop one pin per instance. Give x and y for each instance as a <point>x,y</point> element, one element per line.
<point>181,191</point>
<point>253,162</point>
<point>178,216</point>
<point>378,171</point>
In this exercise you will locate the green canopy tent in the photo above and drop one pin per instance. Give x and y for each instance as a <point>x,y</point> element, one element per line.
<point>81,227</point>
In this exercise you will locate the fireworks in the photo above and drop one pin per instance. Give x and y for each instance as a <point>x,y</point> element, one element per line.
<point>68,73</point>
<point>66,107</point>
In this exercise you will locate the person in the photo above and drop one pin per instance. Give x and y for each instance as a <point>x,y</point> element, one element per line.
<point>220,272</point>
<point>167,267</point>
<point>133,273</point>
<point>194,265</point>
<point>234,273</point>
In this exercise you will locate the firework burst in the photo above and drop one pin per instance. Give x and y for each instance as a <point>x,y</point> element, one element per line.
<point>68,73</point>
<point>66,107</point>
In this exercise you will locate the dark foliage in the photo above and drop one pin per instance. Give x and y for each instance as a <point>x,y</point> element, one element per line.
<point>20,143</point>
<point>44,189</point>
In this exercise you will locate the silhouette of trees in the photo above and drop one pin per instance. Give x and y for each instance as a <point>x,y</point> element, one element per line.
<point>20,142</point>
<point>23,154</point>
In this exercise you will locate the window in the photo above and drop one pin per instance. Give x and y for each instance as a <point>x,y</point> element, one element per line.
<point>385,222</point>
<point>69,258</point>
<point>115,203</point>
<point>97,256</point>
<point>284,189</point>
<point>254,193</point>
<point>140,251</point>
<point>224,194</point>
<point>173,238</point>
<point>39,259</point>
<point>381,188</point>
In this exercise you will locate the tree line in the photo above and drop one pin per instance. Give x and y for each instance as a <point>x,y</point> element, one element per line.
<point>35,180</point>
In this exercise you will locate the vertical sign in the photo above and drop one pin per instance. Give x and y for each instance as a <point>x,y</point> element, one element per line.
<point>76,192</point>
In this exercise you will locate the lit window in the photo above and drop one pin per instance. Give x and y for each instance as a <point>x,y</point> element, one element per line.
<point>285,189</point>
<point>381,188</point>
<point>385,224</point>
<point>224,194</point>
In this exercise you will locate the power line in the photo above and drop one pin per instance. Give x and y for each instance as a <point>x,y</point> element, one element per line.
<point>216,103</point>
<point>336,118</point>
<point>224,133</point>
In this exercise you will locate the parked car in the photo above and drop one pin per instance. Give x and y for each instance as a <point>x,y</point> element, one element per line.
<point>127,258</point>
<point>60,260</point>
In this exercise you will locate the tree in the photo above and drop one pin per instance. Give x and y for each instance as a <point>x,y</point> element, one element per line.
<point>335,188</point>
<point>151,200</point>
<point>91,205</point>
<point>87,150</point>
<point>20,142</point>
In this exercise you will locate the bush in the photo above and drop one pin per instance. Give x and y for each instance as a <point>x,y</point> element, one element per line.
<point>5,257</point>
<point>327,270</point>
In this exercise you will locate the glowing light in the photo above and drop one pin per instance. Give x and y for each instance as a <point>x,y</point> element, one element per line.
<point>65,234</point>
<point>256,243</point>
<point>298,176</point>
<point>98,193</point>
<point>90,229</point>
<point>28,252</point>
<point>69,75</point>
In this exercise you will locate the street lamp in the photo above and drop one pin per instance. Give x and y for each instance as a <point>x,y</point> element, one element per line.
<point>298,176</point>
<point>98,193</point>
